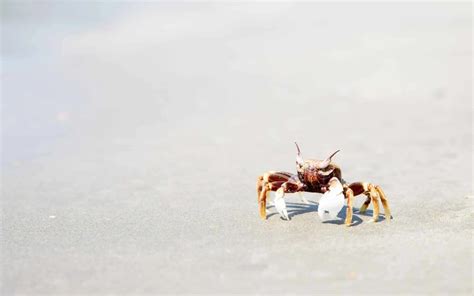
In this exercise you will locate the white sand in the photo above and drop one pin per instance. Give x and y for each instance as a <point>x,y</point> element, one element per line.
<point>150,185</point>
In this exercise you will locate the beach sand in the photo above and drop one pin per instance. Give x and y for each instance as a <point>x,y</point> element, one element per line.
<point>146,185</point>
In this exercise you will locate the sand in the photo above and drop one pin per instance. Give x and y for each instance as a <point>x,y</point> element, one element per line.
<point>129,165</point>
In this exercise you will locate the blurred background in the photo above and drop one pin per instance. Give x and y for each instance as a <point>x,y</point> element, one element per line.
<point>133,133</point>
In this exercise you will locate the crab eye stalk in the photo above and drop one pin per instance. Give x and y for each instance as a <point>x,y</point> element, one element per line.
<point>323,164</point>
<point>298,148</point>
<point>299,159</point>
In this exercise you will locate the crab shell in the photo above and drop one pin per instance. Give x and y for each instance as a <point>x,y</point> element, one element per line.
<point>316,173</point>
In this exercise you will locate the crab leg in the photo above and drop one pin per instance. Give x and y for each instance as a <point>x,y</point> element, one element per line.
<point>281,182</point>
<point>375,200</point>
<point>383,199</point>
<point>365,205</point>
<point>264,194</point>
<point>262,203</point>
<point>270,181</point>
<point>373,193</point>
<point>349,196</point>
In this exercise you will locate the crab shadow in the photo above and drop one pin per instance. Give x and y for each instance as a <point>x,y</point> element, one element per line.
<point>369,213</point>
<point>295,209</point>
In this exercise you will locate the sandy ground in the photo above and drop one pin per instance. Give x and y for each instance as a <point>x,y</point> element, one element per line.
<point>131,147</point>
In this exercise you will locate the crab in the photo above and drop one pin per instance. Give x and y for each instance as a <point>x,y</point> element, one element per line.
<point>319,176</point>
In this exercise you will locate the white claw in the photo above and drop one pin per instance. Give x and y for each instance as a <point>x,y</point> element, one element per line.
<point>280,204</point>
<point>331,202</point>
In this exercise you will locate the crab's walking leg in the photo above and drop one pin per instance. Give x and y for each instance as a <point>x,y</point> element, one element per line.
<point>259,187</point>
<point>263,196</point>
<point>270,181</point>
<point>365,205</point>
<point>262,203</point>
<point>350,196</point>
<point>375,200</point>
<point>373,193</point>
<point>383,199</point>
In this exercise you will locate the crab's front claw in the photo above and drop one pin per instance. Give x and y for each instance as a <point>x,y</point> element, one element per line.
<point>332,201</point>
<point>280,204</point>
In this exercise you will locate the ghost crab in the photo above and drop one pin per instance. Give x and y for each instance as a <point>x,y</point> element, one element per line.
<point>320,176</point>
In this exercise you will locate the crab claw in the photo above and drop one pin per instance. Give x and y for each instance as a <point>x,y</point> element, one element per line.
<point>332,201</point>
<point>280,204</point>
